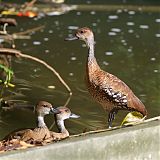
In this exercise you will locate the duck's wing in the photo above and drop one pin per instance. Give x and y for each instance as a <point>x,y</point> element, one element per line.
<point>58,136</point>
<point>118,92</point>
<point>16,134</point>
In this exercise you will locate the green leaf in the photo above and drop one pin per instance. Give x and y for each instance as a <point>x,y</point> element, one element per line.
<point>9,74</point>
<point>132,117</point>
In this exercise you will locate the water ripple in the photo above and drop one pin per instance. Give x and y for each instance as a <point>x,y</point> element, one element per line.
<point>72,27</point>
<point>112,33</point>
<point>144,26</point>
<point>36,43</point>
<point>157,35</point>
<point>108,53</point>
<point>113,17</point>
<point>131,12</point>
<point>116,30</point>
<point>130,23</point>
<point>157,20</point>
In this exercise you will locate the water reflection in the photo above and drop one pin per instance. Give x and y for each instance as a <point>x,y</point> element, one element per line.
<point>127,45</point>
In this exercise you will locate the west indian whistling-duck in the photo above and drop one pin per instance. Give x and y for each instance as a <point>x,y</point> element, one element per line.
<point>41,132</point>
<point>108,90</point>
<point>65,113</point>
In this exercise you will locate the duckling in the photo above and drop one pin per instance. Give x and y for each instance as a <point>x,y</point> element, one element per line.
<point>108,90</point>
<point>41,132</point>
<point>65,113</point>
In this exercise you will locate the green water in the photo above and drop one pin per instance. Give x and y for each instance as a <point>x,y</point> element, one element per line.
<point>127,45</point>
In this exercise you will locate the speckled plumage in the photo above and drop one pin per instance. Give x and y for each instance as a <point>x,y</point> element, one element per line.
<point>108,90</point>
<point>31,135</point>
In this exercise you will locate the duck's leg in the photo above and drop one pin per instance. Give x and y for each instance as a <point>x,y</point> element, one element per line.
<point>111,116</point>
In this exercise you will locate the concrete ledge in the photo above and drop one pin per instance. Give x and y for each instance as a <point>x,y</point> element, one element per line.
<point>140,142</point>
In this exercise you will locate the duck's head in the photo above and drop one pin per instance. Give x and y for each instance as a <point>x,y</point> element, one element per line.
<point>65,113</point>
<point>84,34</point>
<point>43,108</point>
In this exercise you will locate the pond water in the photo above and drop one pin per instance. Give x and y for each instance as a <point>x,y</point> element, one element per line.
<point>127,45</point>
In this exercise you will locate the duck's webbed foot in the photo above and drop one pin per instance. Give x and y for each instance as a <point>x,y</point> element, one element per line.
<point>111,116</point>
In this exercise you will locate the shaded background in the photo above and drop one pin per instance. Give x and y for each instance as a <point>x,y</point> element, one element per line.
<point>127,45</point>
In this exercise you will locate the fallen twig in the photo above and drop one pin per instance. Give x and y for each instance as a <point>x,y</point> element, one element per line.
<point>14,52</point>
<point>28,4</point>
<point>10,21</point>
<point>4,32</point>
<point>30,30</point>
<point>19,35</point>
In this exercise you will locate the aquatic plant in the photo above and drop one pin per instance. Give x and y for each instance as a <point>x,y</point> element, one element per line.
<point>9,75</point>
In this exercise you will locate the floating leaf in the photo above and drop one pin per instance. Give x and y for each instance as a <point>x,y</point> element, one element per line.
<point>132,117</point>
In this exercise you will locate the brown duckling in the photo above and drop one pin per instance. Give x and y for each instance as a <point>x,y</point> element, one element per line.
<point>41,132</point>
<point>65,113</point>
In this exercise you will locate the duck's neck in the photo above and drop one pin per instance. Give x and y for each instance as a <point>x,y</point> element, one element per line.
<point>61,127</point>
<point>40,121</point>
<point>91,60</point>
<point>90,44</point>
<point>91,52</point>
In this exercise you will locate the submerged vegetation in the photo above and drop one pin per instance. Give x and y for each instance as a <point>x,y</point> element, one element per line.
<point>9,75</point>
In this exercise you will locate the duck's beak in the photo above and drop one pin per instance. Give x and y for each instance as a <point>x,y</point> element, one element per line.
<point>54,110</point>
<point>72,115</point>
<point>71,38</point>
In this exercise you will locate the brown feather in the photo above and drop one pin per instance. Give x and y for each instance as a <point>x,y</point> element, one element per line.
<point>98,79</point>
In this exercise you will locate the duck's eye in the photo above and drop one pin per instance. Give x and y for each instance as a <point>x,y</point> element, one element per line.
<point>66,110</point>
<point>81,31</point>
<point>45,105</point>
